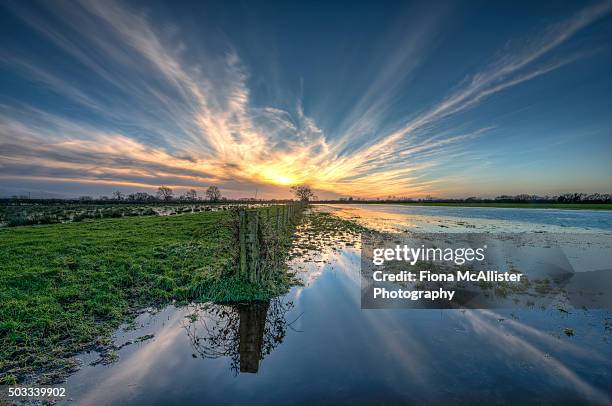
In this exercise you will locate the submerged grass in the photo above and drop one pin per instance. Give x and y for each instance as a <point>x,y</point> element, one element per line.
<point>65,287</point>
<point>321,230</point>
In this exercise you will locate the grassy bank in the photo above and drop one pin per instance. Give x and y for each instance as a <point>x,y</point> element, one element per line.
<point>565,206</point>
<point>65,287</point>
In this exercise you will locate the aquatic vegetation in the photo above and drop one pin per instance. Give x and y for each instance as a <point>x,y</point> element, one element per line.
<point>325,230</point>
<point>145,337</point>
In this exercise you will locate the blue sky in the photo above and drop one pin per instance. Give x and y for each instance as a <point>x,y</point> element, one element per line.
<point>368,99</point>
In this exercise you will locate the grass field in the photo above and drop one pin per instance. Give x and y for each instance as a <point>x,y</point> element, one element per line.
<point>65,287</point>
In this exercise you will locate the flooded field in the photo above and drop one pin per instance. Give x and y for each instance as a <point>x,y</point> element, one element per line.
<point>12,215</point>
<point>317,344</point>
<point>397,217</point>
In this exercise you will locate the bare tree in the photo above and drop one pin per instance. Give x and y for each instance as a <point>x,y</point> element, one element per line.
<point>191,194</point>
<point>118,195</point>
<point>303,193</point>
<point>144,197</point>
<point>213,193</point>
<point>165,193</point>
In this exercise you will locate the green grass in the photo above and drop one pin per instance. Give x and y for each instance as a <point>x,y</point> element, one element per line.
<point>566,206</point>
<point>65,287</point>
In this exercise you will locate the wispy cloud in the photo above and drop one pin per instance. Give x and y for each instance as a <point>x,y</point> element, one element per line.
<point>168,113</point>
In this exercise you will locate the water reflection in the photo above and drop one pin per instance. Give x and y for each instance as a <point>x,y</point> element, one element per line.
<point>399,218</point>
<point>244,332</point>
<point>347,355</point>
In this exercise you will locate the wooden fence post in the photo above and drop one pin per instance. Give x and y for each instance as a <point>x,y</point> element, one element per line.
<point>253,245</point>
<point>242,229</point>
<point>277,220</point>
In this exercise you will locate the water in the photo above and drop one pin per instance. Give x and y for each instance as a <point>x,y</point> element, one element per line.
<point>315,344</point>
<point>397,217</point>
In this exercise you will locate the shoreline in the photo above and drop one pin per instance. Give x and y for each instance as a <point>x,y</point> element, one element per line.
<point>540,206</point>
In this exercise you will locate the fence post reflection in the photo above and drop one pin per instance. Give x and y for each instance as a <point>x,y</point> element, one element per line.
<point>244,332</point>
<point>252,325</point>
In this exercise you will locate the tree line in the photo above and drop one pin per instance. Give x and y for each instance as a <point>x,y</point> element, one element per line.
<point>563,198</point>
<point>163,194</point>
<point>520,198</point>
<point>304,193</point>
<point>166,194</point>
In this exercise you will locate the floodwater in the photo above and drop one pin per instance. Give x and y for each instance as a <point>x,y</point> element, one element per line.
<point>316,344</point>
<point>397,217</point>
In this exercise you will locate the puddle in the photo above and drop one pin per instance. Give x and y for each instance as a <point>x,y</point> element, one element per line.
<point>315,343</point>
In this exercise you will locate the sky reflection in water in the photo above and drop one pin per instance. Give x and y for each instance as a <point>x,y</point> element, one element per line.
<point>317,344</point>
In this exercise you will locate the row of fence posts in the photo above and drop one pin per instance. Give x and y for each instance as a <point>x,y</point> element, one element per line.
<point>253,225</point>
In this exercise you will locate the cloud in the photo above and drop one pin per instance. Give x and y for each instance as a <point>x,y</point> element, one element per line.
<point>160,111</point>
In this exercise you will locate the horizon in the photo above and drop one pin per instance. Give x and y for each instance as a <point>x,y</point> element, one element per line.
<point>180,195</point>
<point>402,100</point>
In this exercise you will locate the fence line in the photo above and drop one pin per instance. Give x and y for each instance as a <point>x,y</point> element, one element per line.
<point>262,233</point>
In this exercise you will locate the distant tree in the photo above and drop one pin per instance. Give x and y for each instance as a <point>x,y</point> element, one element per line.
<point>143,197</point>
<point>140,197</point>
<point>165,193</point>
<point>597,198</point>
<point>191,194</point>
<point>85,198</point>
<point>504,197</point>
<point>522,198</point>
<point>118,195</point>
<point>303,193</point>
<point>213,193</point>
<point>576,197</point>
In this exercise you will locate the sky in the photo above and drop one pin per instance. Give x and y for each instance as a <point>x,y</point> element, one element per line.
<point>362,98</point>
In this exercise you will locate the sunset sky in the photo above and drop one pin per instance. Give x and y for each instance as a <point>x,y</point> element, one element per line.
<point>364,99</point>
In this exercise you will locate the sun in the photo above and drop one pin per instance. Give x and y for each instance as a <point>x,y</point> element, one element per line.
<point>281,179</point>
<point>277,178</point>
